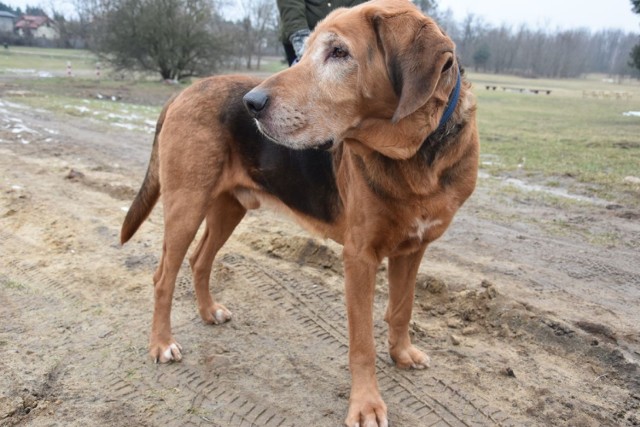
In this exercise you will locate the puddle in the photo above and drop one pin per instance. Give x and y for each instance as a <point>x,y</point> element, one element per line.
<point>559,192</point>
<point>490,160</point>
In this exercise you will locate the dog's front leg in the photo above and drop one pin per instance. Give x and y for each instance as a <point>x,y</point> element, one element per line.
<point>402,278</point>
<point>366,407</point>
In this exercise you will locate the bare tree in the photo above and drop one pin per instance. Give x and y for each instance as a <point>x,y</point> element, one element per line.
<point>429,7</point>
<point>541,52</point>
<point>472,28</point>
<point>173,37</point>
<point>634,55</point>
<point>260,21</point>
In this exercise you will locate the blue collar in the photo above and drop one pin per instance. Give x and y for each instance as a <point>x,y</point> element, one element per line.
<point>453,101</point>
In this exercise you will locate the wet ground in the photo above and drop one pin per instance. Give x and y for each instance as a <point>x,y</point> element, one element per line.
<point>529,307</point>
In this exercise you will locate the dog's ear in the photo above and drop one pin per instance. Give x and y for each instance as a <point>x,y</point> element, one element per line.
<point>416,53</point>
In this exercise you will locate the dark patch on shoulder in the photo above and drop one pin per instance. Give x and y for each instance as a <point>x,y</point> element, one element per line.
<point>231,115</point>
<point>303,179</point>
<point>373,185</point>
<point>451,175</point>
<point>384,176</point>
<point>438,142</point>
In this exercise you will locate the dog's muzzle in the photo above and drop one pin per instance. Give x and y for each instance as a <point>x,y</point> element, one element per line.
<point>255,102</point>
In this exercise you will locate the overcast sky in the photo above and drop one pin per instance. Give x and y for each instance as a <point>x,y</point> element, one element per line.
<point>549,14</point>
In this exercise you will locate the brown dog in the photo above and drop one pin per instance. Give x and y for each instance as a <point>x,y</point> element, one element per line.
<point>380,91</point>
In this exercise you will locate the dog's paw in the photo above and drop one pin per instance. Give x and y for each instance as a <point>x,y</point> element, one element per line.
<point>410,358</point>
<point>215,314</point>
<point>368,410</point>
<point>166,353</point>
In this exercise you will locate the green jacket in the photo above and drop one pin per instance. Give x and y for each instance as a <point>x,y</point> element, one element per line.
<point>305,14</point>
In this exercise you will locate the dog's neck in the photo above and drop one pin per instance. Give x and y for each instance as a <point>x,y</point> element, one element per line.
<point>453,101</point>
<point>447,129</point>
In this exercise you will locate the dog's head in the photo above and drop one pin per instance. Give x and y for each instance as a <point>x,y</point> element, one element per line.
<point>380,62</point>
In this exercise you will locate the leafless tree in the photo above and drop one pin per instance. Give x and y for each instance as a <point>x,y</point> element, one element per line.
<point>259,24</point>
<point>541,52</point>
<point>176,38</point>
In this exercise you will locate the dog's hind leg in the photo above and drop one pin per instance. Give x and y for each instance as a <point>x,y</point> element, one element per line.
<point>402,278</point>
<point>183,214</point>
<point>223,215</point>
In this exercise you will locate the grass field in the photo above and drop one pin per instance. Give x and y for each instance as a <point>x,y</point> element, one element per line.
<point>33,60</point>
<point>563,134</point>
<point>21,60</point>
<point>564,138</point>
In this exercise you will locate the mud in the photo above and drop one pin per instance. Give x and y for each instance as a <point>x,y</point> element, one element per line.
<point>529,311</point>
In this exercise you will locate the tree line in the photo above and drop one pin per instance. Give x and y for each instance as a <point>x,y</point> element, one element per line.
<point>539,52</point>
<point>176,38</point>
<point>635,51</point>
<point>184,38</point>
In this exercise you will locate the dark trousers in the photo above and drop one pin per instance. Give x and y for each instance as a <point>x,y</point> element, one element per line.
<point>289,52</point>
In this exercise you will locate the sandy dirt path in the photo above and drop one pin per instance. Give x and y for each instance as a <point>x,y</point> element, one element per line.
<point>530,312</point>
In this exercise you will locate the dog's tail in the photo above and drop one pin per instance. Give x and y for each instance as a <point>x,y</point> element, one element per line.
<point>149,192</point>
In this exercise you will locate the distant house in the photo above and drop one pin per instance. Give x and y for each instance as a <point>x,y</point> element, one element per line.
<point>37,27</point>
<point>7,21</point>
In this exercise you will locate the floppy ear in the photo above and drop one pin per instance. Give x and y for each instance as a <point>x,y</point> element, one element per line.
<point>416,53</point>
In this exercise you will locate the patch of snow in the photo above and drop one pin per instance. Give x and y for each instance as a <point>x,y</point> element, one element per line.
<point>631,114</point>
<point>20,70</point>
<point>20,128</point>
<point>119,116</point>
<point>559,192</point>
<point>490,160</point>
<point>13,105</point>
<point>129,126</point>
<point>82,109</point>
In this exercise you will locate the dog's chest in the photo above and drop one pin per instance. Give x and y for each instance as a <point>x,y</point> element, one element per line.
<point>421,227</point>
<point>417,232</point>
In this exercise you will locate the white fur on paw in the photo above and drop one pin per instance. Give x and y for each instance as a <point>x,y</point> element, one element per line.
<point>422,365</point>
<point>172,353</point>
<point>221,316</point>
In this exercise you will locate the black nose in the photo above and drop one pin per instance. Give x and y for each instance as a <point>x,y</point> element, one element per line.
<point>255,102</point>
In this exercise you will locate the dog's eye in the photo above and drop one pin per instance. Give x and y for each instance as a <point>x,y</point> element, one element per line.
<point>338,52</point>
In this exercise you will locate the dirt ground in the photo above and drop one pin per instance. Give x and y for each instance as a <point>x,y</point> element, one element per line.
<point>529,311</point>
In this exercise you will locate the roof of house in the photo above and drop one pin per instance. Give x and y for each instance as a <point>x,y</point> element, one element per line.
<point>4,14</point>
<point>32,22</point>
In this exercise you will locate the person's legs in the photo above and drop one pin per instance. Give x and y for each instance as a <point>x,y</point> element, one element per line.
<point>289,52</point>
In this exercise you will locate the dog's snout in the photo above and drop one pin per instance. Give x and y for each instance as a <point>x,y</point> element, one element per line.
<point>255,102</point>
